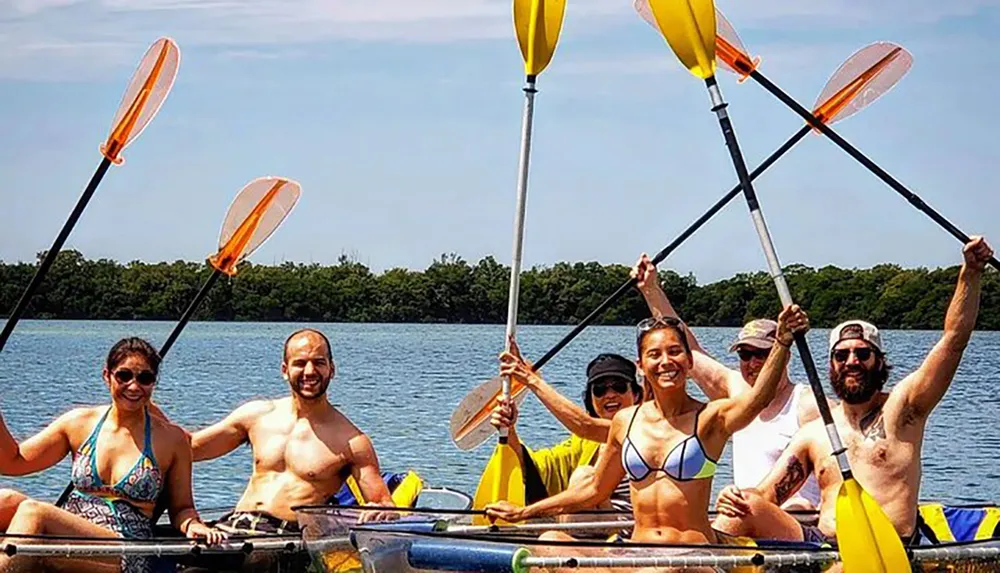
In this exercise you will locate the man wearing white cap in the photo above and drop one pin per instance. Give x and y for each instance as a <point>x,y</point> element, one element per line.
<point>757,447</point>
<point>882,431</point>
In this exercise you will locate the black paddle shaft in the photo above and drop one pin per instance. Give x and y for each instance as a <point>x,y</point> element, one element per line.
<point>597,312</point>
<point>864,160</point>
<point>190,311</point>
<point>50,256</point>
<point>719,107</point>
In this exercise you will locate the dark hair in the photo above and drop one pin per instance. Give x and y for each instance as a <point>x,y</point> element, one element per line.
<point>329,349</point>
<point>133,346</point>
<point>661,324</point>
<point>588,398</point>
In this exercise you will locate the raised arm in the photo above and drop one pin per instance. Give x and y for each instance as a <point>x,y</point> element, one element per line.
<point>366,472</point>
<point>41,451</point>
<point>715,379</point>
<point>587,493</point>
<point>924,388</point>
<point>225,436</point>
<point>569,414</point>
<point>734,414</point>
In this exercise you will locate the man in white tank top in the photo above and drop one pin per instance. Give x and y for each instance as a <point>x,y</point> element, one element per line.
<point>757,447</point>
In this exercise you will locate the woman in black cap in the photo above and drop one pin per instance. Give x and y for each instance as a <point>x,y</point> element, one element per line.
<point>611,386</point>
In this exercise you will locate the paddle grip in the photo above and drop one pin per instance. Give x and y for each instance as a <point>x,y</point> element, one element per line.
<point>663,254</point>
<point>53,252</point>
<point>864,160</point>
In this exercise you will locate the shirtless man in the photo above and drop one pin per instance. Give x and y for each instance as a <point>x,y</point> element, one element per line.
<point>882,431</point>
<point>303,447</point>
<point>757,447</point>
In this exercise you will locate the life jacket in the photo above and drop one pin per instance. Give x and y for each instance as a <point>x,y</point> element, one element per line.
<point>961,522</point>
<point>404,487</point>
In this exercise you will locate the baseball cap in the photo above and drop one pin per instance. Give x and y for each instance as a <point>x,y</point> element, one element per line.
<point>856,330</point>
<point>610,365</point>
<point>758,333</point>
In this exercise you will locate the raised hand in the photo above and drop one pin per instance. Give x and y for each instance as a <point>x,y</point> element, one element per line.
<point>644,272</point>
<point>977,253</point>
<point>791,321</point>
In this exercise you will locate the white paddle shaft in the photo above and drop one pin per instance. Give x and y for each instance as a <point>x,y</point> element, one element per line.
<point>518,247</point>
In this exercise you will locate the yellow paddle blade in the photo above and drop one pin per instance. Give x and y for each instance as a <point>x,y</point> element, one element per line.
<point>537,24</point>
<point>689,28</point>
<point>867,541</point>
<point>502,480</point>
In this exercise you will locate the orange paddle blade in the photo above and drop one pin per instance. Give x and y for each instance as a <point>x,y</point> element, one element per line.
<point>470,422</point>
<point>255,213</point>
<point>864,77</point>
<point>729,49</point>
<point>150,85</point>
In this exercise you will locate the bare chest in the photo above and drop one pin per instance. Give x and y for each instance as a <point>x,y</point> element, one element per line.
<point>297,449</point>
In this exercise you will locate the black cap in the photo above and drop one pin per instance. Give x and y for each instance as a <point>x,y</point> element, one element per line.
<point>610,365</point>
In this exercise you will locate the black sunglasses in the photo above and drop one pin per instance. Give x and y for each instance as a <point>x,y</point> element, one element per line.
<point>601,388</point>
<point>145,377</point>
<point>841,355</point>
<point>748,355</point>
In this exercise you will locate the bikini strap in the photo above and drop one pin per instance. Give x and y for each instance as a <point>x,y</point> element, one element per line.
<point>147,448</point>
<point>97,430</point>
<point>628,431</point>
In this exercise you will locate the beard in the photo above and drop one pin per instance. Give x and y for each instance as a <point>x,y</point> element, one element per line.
<point>870,383</point>
<point>312,393</point>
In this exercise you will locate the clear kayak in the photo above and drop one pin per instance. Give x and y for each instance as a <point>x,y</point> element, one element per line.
<point>419,541</point>
<point>170,552</point>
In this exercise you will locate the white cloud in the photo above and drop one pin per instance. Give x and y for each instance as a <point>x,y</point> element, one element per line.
<point>51,38</point>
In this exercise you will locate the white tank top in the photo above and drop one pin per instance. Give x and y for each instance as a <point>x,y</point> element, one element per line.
<point>757,447</point>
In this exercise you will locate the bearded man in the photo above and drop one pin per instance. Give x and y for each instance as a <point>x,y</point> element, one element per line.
<point>303,447</point>
<point>882,431</point>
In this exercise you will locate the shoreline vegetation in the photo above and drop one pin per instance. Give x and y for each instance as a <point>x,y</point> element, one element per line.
<point>451,290</point>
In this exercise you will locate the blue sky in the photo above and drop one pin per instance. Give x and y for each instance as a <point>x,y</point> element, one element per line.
<point>401,120</point>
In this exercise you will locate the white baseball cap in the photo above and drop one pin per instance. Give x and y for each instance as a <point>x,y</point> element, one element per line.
<point>856,330</point>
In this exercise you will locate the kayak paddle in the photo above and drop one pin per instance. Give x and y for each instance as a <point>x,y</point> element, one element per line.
<point>866,539</point>
<point>860,157</point>
<point>255,213</point>
<point>150,84</point>
<point>537,24</point>
<point>839,99</point>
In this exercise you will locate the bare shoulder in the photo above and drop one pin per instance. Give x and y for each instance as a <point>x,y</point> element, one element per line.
<point>79,420</point>
<point>339,422</point>
<point>170,431</point>
<point>254,410</point>
<point>808,410</point>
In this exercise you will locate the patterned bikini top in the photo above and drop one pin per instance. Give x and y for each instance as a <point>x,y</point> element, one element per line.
<point>141,484</point>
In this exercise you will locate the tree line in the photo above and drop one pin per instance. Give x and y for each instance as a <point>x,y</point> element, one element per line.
<point>452,290</point>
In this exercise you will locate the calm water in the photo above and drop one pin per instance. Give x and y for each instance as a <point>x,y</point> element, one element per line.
<point>400,383</point>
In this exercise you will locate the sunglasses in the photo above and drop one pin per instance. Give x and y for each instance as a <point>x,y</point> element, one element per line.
<point>748,355</point>
<point>601,388</point>
<point>654,322</point>
<point>863,354</point>
<point>145,377</point>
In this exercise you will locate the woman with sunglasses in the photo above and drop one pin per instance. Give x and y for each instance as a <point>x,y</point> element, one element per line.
<point>123,459</point>
<point>668,447</point>
<point>611,387</point>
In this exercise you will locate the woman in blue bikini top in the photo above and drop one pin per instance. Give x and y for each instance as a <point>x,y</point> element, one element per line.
<point>668,446</point>
<point>123,460</point>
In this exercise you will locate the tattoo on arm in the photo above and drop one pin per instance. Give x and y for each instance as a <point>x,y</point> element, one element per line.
<point>795,475</point>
